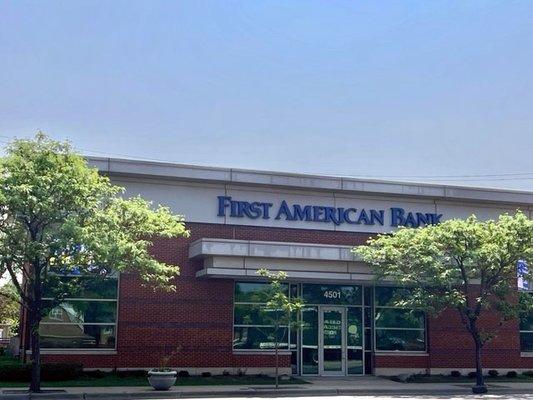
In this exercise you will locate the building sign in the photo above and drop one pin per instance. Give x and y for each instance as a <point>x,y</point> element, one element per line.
<point>393,216</point>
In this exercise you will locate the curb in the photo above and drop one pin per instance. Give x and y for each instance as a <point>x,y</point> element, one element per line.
<point>184,394</point>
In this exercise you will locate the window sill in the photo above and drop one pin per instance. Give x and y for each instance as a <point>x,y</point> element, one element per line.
<point>262,352</point>
<point>526,354</point>
<point>78,351</point>
<point>402,353</point>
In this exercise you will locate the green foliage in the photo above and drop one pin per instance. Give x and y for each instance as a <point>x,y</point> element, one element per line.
<point>18,372</point>
<point>9,305</point>
<point>468,265</point>
<point>60,217</point>
<point>280,308</point>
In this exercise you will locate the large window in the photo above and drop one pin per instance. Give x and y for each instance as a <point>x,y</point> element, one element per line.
<point>397,329</point>
<point>86,320</point>
<point>526,331</point>
<point>253,327</point>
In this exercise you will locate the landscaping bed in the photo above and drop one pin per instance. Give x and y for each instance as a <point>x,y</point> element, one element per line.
<point>15,374</point>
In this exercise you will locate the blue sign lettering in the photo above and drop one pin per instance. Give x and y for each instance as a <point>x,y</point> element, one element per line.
<point>227,207</point>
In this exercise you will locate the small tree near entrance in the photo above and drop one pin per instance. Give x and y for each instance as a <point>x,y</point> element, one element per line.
<point>280,310</point>
<point>59,218</point>
<point>467,265</point>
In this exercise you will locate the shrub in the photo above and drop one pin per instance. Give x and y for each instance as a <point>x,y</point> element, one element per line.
<point>15,372</point>
<point>206,374</point>
<point>49,372</point>
<point>226,373</point>
<point>241,372</point>
<point>183,374</point>
<point>472,374</point>
<point>512,374</point>
<point>455,374</point>
<point>493,373</point>
<point>528,373</point>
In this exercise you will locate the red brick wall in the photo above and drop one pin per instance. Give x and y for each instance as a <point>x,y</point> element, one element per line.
<point>198,316</point>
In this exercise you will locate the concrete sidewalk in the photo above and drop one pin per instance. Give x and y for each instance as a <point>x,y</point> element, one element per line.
<point>317,387</point>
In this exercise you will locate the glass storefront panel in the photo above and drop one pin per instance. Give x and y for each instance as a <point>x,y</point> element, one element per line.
<point>81,311</point>
<point>368,295</point>
<point>81,287</point>
<point>332,331</point>
<point>86,318</point>
<point>79,336</point>
<point>315,346</point>
<point>260,338</point>
<point>400,340</point>
<point>252,314</point>
<point>253,292</point>
<point>526,341</point>
<point>385,296</point>
<point>331,294</point>
<point>309,340</point>
<point>355,333</point>
<point>526,322</point>
<point>368,317</point>
<point>399,318</point>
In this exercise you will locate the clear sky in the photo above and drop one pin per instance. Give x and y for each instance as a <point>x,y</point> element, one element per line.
<point>381,88</point>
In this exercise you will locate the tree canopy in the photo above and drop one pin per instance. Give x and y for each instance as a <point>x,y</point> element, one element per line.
<point>59,216</point>
<point>9,305</point>
<point>467,265</point>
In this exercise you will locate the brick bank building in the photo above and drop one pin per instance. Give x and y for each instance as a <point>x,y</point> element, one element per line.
<point>242,220</point>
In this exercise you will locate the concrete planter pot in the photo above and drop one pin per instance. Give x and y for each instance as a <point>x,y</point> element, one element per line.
<point>162,380</point>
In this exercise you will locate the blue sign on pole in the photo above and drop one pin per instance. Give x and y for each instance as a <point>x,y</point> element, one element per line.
<point>522,271</point>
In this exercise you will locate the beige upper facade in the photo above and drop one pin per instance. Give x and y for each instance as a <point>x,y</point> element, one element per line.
<point>196,193</point>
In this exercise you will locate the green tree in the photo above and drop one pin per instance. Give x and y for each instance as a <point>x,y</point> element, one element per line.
<point>9,306</point>
<point>281,310</point>
<point>57,216</point>
<point>467,265</point>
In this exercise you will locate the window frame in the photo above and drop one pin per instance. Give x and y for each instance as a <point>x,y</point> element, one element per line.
<point>287,350</point>
<point>521,331</point>
<point>115,325</point>
<point>375,329</point>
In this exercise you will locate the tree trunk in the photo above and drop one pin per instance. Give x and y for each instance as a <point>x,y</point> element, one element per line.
<point>35,319</point>
<point>277,366</point>
<point>480,380</point>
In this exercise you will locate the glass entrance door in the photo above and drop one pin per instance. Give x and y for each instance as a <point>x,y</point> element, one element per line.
<point>332,341</point>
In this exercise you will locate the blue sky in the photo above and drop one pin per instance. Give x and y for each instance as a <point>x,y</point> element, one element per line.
<point>388,89</point>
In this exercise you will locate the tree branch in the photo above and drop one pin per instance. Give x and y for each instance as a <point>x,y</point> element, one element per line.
<point>17,284</point>
<point>10,297</point>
